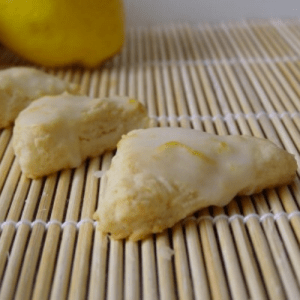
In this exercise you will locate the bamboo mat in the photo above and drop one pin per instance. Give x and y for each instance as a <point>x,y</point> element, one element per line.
<point>239,78</point>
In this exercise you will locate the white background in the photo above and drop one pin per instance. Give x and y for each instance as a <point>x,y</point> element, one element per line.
<point>158,12</point>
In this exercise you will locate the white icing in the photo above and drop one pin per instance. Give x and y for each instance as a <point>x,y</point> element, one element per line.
<point>206,163</point>
<point>162,175</point>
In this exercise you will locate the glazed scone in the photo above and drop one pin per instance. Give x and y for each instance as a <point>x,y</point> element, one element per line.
<point>58,132</point>
<point>162,175</point>
<point>19,86</point>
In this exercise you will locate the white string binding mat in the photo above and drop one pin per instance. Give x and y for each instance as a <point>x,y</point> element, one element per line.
<point>221,62</point>
<point>236,116</point>
<point>215,219</point>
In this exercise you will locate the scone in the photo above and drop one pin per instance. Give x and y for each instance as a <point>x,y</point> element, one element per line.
<point>58,132</point>
<point>161,175</point>
<point>19,86</point>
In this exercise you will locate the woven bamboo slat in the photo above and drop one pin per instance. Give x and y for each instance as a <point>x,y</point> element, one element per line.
<point>232,78</point>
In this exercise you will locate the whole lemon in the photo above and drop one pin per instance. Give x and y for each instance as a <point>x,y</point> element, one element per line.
<point>62,32</point>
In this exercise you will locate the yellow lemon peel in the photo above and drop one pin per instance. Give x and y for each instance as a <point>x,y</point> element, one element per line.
<point>173,144</point>
<point>62,32</point>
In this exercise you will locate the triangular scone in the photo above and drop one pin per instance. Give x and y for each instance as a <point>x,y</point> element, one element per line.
<point>161,175</point>
<point>19,86</point>
<point>58,132</point>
